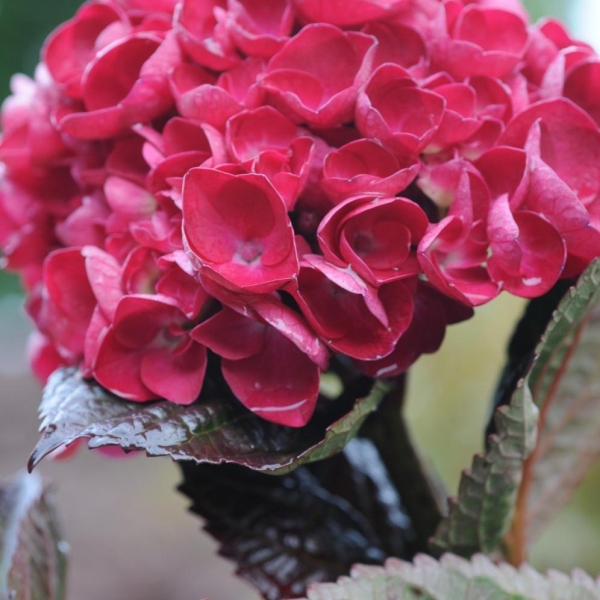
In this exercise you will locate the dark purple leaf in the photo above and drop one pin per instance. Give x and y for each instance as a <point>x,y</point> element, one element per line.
<point>359,476</point>
<point>216,429</point>
<point>282,532</point>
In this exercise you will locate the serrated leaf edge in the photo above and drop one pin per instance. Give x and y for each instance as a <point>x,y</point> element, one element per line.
<point>500,467</point>
<point>427,575</point>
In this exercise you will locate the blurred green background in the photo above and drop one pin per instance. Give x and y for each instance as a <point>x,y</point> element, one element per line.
<point>123,519</point>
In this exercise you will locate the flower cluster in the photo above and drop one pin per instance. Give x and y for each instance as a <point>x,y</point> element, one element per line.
<point>270,182</point>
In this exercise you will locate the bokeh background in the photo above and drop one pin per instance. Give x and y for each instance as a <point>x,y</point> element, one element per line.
<point>130,535</point>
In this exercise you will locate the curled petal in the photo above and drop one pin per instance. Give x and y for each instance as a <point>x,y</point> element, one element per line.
<point>230,335</point>
<point>569,143</point>
<point>104,275</point>
<point>394,110</point>
<point>452,257</point>
<point>140,92</point>
<point>319,92</point>
<point>366,167</point>
<point>260,28</point>
<point>202,31</point>
<point>433,312</point>
<point>374,236</point>
<point>485,41</point>
<point>176,376</point>
<point>344,321</point>
<point>68,302</point>
<point>73,45</point>
<point>528,254</point>
<point>146,354</point>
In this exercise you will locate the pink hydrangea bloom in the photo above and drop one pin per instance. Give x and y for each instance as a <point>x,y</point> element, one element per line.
<point>261,185</point>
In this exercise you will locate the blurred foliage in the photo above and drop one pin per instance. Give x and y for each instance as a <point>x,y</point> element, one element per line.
<point>540,8</point>
<point>23,28</point>
<point>9,284</point>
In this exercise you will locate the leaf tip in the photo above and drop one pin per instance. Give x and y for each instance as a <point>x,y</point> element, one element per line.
<point>44,447</point>
<point>34,458</point>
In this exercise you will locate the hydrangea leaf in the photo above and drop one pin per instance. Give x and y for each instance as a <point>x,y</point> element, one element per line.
<point>563,374</point>
<point>360,476</point>
<point>216,429</point>
<point>565,384</point>
<point>454,578</point>
<point>482,514</point>
<point>285,532</point>
<point>32,551</point>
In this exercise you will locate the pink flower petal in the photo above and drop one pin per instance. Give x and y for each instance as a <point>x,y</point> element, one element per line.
<point>280,384</point>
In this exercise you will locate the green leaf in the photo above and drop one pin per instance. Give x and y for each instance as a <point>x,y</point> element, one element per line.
<point>32,551</point>
<point>9,284</point>
<point>217,429</point>
<point>454,578</point>
<point>565,383</point>
<point>482,514</point>
<point>282,532</point>
<point>564,380</point>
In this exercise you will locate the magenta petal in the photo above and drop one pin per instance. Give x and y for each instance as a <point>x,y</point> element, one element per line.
<point>250,132</point>
<point>69,302</point>
<point>237,230</point>
<point>569,144</point>
<point>581,86</point>
<point>183,289</point>
<point>350,281</point>
<point>73,45</point>
<point>230,335</point>
<point>316,91</point>
<point>97,125</point>
<point>343,320</point>
<point>394,110</point>
<point>281,384</point>
<point>118,369</point>
<point>365,166</point>
<point>527,261</point>
<point>343,13</point>
<point>291,325</point>
<point>202,32</point>
<point>375,236</point>
<point>94,335</point>
<point>42,356</point>
<point>208,104</point>
<point>104,274</point>
<point>453,260</point>
<point>424,335</point>
<point>140,318</point>
<point>176,376</point>
<point>261,28</point>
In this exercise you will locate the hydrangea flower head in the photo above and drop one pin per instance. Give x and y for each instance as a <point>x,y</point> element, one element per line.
<point>258,186</point>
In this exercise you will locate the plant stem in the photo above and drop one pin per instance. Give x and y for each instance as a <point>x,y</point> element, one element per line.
<point>421,496</point>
